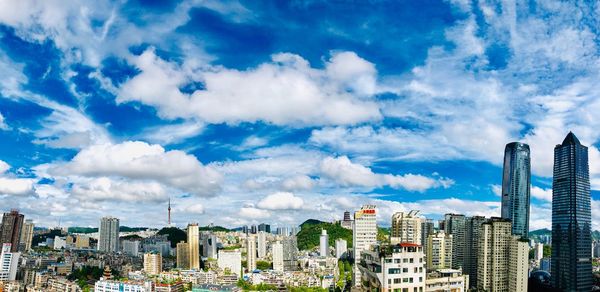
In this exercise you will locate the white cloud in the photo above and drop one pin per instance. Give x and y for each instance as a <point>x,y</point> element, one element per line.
<point>107,189</point>
<point>16,186</point>
<point>142,161</point>
<point>281,201</point>
<point>3,125</point>
<point>347,173</point>
<point>196,208</point>
<point>175,133</point>
<point>299,182</point>
<point>253,213</point>
<point>3,167</point>
<point>541,194</point>
<point>497,190</point>
<point>285,91</point>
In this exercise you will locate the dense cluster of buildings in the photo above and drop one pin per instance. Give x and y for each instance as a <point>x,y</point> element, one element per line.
<point>454,253</point>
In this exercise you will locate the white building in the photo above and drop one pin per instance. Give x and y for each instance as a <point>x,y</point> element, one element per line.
<point>131,247</point>
<point>444,280</point>
<point>406,227</point>
<point>341,248</point>
<point>230,260</point>
<point>8,263</point>
<point>364,235</point>
<point>251,253</point>
<point>324,244</point>
<point>439,251</point>
<point>60,242</point>
<point>277,253</point>
<point>399,267</point>
<point>108,240</point>
<point>539,252</point>
<point>262,244</point>
<point>113,286</point>
<point>518,264</point>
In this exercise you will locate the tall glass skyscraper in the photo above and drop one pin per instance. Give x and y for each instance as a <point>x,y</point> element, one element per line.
<point>516,180</point>
<point>571,217</point>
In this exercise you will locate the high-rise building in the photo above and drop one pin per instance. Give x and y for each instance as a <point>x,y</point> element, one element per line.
<point>26,236</point>
<point>108,240</point>
<point>472,228</point>
<point>427,228</point>
<point>209,245</point>
<point>152,263</point>
<point>253,229</point>
<point>455,225</point>
<point>516,182</point>
<point>400,267</point>
<point>277,253</point>
<point>571,217</point>
<point>538,252</point>
<point>406,227</point>
<point>262,244</point>
<point>183,256</point>
<point>10,231</point>
<point>439,251</point>
<point>503,258</point>
<point>341,248</point>
<point>251,253</point>
<point>193,239</point>
<point>230,260</point>
<point>131,247</point>
<point>82,241</point>
<point>290,253</point>
<point>324,244</point>
<point>264,227</point>
<point>364,235</point>
<point>8,263</point>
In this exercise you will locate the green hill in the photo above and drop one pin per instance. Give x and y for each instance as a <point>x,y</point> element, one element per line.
<point>214,228</point>
<point>174,234</point>
<point>310,232</point>
<point>95,229</point>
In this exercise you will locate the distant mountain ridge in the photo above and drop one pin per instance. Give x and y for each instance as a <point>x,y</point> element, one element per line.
<point>536,234</point>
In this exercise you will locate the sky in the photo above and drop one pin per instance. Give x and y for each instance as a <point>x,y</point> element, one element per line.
<point>243,112</point>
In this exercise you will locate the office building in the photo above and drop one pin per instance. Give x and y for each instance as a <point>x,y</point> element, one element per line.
<point>516,182</point>
<point>364,235</point>
<point>472,228</point>
<point>152,263</point>
<point>108,240</point>
<point>324,244</point>
<point>10,231</point>
<point>439,251</point>
<point>82,241</point>
<point>193,239</point>
<point>571,217</point>
<point>538,253</point>
<point>9,262</point>
<point>290,253</point>
<point>277,253</point>
<point>209,245</point>
<point>131,247</point>
<point>59,242</point>
<point>264,227</point>
<point>26,236</point>
<point>427,229</point>
<point>262,244</point>
<point>251,253</point>
<point>406,227</point>
<point>183,257</point>
<point>253,229</point>
<point>401,267</point>
<point>503,258</point>
<point>545,264</point>
<point>455,225</point>
<point>341,248</point>
<point>230,260</point>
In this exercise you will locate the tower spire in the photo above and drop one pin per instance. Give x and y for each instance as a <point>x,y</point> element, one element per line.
<point>169,211</point>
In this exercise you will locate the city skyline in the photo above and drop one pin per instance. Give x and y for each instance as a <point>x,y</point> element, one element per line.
<point>223,110</point>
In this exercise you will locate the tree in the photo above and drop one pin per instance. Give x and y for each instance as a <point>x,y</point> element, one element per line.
<point>263,265</point>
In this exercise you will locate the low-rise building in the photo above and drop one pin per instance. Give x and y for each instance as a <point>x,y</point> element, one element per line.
<point>444,280</point>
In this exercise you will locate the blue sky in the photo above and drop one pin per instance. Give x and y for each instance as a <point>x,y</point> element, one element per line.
<point>251,111</point>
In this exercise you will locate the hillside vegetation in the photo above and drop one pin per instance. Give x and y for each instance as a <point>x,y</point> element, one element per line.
<point>310,232</point>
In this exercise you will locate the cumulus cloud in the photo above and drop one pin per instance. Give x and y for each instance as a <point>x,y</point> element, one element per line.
<point>10,185</point>
<point>497,190</point>
<point>281,201</point>
<point>104,189</point>
<point>347,173</point>
<point>143,161</point>
<point>285,91</point>
<point>541,194</point>
<point>250,212</point>
<point>3,125</point>
<point>196,208</point>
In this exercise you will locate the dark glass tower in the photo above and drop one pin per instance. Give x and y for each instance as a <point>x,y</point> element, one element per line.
<point>571,217</point>
<point>10,230</point>
<point>516,181</point>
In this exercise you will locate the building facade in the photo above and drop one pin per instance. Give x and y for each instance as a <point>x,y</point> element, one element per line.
<point>152,263</point>
<point>398,267</point>
<point>9,262</point>
<point>261,249</point>
<point>277,254</point>
<point>516,182</point>
<point>455,225</point>
<point>183,257</point>
<point>364,235</point>
<point>324,244</point>
<point>193,240</point>
<point>341,248</point>
<point>472,228</point>
<point>406,227</point>
<point>251,253</point>
<point>571,217</point>
<point>10,230</point>
<point>439,251</point>
<point>26,236</point>
<point>108,240</point>
<point>230,260</point>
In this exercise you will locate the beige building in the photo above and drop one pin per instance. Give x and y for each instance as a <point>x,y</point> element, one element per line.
<point>82,241</point>
<point>406,227</point>
<point>251,253</point>
<point>446,280</point>
<point>498,264</point>
<point>277,253</point>
<point>152,263</point>
<point>439,251</point>
<point>183,257</point>
<point>193,235</point>
<point>230,260</point>
<point>26,236</point>
<point>364,235</point>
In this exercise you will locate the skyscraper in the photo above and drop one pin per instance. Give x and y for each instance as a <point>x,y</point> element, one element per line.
<point>364,235</point>
<point>455,225</point>
<point>472,229</point>
<point>183,257</point>
<point>427,229</point>
<point>324,244</point>
<point>152,263</point>
<point>341,248</point>
<point>406,227</point>
<point>262,244</point>
<point>571,217</point>
<point>9,262</point>
<point>230,260</point>
<point>193,239</point>
<point>290,253</point>
<point>516,181</point>
<point>26,236</point>
<point>10,231</point>
<point>109,235</point>
<point>277,252</point>
<point>251,253</point>
<point>439,251</point>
